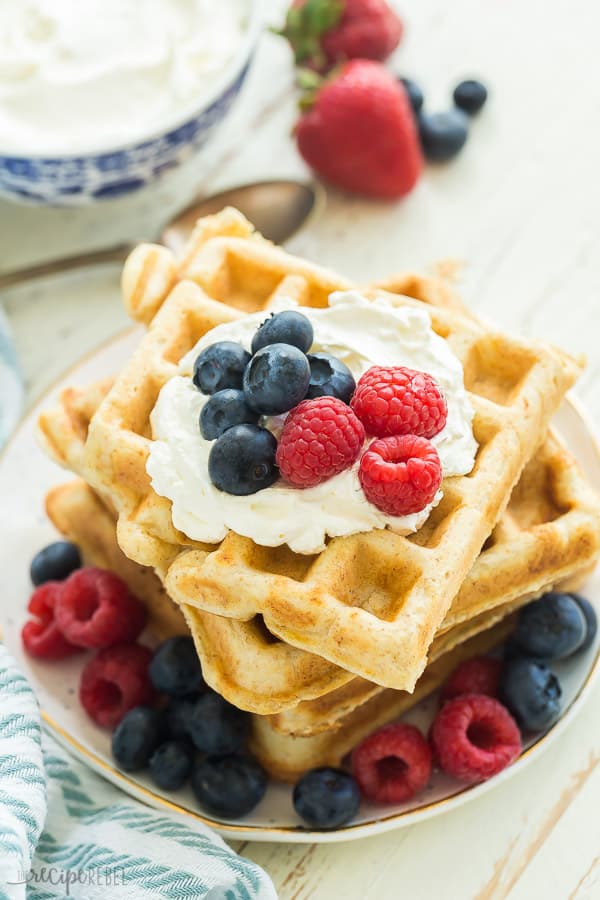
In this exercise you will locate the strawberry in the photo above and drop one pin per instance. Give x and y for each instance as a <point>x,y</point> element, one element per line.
<point>324,32</point>
<point>358,132</point>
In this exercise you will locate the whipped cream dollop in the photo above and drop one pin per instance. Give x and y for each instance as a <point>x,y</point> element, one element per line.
<point>361,333</point>
<point>74,75</point>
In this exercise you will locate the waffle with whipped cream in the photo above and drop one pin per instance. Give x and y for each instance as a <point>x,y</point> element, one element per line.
<point>372,602</point>
<point>549,532</point>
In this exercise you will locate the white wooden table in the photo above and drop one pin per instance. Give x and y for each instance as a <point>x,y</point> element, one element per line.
<point>521,209</point>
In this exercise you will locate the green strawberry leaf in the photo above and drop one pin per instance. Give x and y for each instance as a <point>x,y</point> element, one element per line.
<point>305,25</point>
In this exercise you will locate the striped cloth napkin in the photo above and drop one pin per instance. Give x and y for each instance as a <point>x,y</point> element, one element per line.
<point>66,833</point>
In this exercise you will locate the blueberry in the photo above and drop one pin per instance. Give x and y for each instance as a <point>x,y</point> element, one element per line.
<point>216,726</point>
<point>553,627</point>
<point>591,621</point>
<point>511,649</point>
<point>178,715</point>
<point>136,737</point>
<point>326,798</point>
<point>242,460</point>
<point>532,692</point>
<point>55,562</point>
<point>287,327</point>
<point>175,667</point>
<point>171,764</point>
<point>415,94</point>
<point>224,410</point>
<point>276,379</point>
<point>229,785</point>
<point>329,377</point>
<point>442,134</point>
<point>220,366</point>
<point>470,96</point>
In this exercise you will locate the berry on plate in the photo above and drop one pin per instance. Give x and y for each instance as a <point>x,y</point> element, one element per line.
<point>532,693</point>
<point>95,609</point>
<point>171,764</point>
<point>175,668</point>
<point>358,132</point>
<point>320,439</point>
<point>224,410</point>
<point>136,737</point>
<point>326,798</point>
<point>242,460</point>
<point>415,94</point>
<point>400,475</point>
<point>396,400</point>
<point>276,379</point>
<point>323,32</point>
<point>552,627</point>
<point>114,681</point>
<point>393,764</point>
<point>229,785</point>
<point>443,134</point>
<point>475,737</point>
<point>470,96</point>
<point>41,635</point>
<point>591,621</point>
<point>54,562</point>
<point>287,327</point>
<point>220,366</point>
<point>215,726</point>
<point>178,714</point>
<point>329,377</point>
<point>479,675</point>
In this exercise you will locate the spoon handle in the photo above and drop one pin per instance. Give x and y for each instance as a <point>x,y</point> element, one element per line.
<point>96,257</point>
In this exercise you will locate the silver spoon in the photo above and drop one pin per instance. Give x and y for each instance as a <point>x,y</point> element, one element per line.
<point>276,208</point>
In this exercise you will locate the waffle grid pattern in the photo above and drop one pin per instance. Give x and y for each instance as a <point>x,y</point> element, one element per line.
<point>248,665</point>
<point>369,603</point>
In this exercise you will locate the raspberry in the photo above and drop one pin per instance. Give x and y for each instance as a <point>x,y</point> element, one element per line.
<point>475,737</point>
<point>479,675</point>
<point>40,635</point>
<point>393,764</point>
<point>401,474</point>
<point>396,400</point>
<point>114,681</point>
<point>95,610</point>
<point>320,439</point>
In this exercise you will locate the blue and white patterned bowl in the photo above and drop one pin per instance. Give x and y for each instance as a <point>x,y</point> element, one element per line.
<point>101,174</point>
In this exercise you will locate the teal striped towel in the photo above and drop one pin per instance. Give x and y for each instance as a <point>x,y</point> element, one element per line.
<point>66,833</point>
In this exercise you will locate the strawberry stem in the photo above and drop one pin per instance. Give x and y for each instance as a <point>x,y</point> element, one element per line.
<point>310,83</point>
<point>305,26</point>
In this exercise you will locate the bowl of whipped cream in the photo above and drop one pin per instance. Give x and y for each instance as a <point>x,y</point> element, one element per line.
<point>98,99</point>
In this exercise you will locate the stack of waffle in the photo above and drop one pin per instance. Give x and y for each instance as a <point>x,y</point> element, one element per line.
<point>323,649</point>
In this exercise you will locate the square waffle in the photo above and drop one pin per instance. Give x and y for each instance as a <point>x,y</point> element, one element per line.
<point>369,603</point>
<point>552,513</point>
<point>343,721</point>
<point>550,530</point>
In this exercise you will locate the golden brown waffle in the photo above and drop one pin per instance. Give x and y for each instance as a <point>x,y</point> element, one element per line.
<point>80,516</point>
<point>369,603</point>
<point>550,530</point>
<point>286,756</point>
<point>553,514</point>
<point>62,431</point>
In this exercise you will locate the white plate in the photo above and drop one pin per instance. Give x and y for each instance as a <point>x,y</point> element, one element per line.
<point>26,475</point>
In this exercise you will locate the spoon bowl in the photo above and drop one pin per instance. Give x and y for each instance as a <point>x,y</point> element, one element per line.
<point>276,208</point>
